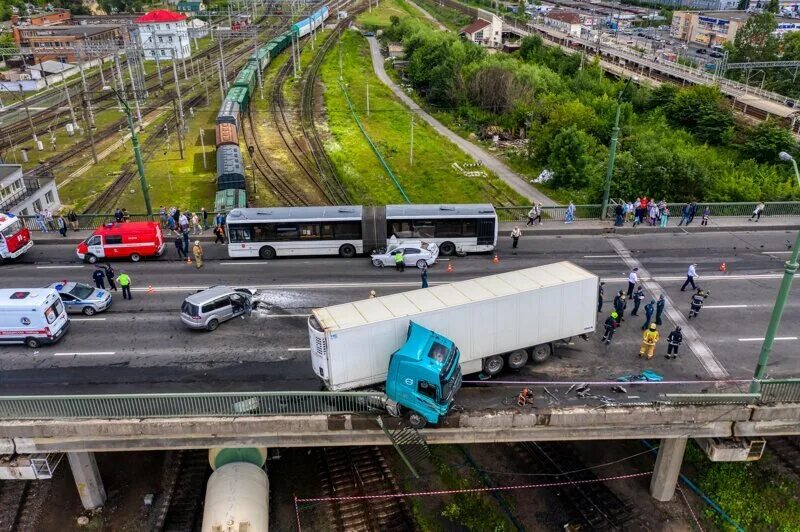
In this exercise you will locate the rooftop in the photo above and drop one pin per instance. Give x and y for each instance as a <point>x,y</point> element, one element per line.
<point>8,170</point>
<point>476,25</point>
<point>296,213</point>
<point>161,15</point>
<point>82,30</point>
<point>51,67</point>
<point>570,17</point>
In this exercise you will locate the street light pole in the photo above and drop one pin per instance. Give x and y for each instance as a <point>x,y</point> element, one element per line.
<point>790,267</point>
<point>612,152</point>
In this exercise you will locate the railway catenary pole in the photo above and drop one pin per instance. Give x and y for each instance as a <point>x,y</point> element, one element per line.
<point>69,101</point>
<point>181,119</point>
<point>135,94</point>
<point>89,127</point>
<point>180,141</point>
<point>411,152</point>
<point>30,120</point>
<point>223,74</point>
<point>87,102</point>
<point>203,146</point>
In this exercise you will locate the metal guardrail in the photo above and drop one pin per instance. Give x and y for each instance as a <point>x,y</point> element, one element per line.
<point>181,405</point>
<point>780,391</point>
<point>93,221</point>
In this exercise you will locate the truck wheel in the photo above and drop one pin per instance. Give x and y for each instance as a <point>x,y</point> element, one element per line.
<point>89,311</point>
<point>212,325</point>
<point>541,352</point>
<point>31,342</point>
<point>447,248</point>
<point>493,365</point>
<point>517,359</point>
<point>135,257</point>
<point>347,251</point>
<point>91,259</point>
<point>267,253</point>
<point>416,420</point>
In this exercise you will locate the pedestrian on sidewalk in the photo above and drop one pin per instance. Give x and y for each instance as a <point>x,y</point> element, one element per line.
<point>183,223</point>
<point>538,214</point>
<point>674,342</point>
<point>220,219</point>
<point>48,219</point>
<point>638,296</point>
<point>600,292</point>
<point>619,305</point>
<point>569,216</point>
<point>757,211</point>
<point>40,222</point>
<point>110,273</point>
<point>619,213</point>
<point>664,217</point>
<point>197,229</point>
<point>515,234</point>
<point>692,212</point>
<point>424,276</point>
<point>73,220</point>
<point>179,247</point>
<point>125,282</point>
<point>62,226</point>
<point>185,236</point>
<point>171,224</point>
<point>652,215</point>
<point>706,215</point>
<point>219,234</point>
<point>691,275</point>
<point>531,216</point>
<point>118,216</point>
<point>662,302</point>
<point>204,216</point>
<point>99,277</point>
<point>633,278</point>
<point>610,325</point>
<point>197,251</point>
<point>126,217</point>
<point>162,215</point>
<point>399,261</point>
<point>649,341</point>
<point>629,211</point>
<point>648,313</point>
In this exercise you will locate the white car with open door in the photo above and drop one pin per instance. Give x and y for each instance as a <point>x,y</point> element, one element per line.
<point>415,253</point>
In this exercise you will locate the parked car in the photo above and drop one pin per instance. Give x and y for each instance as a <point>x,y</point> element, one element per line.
<point>82,298</point>
<point>415,253</point>
<point>701,51</point>
<point>715,54</point>
<point>129,240</point>
<point>208,308</point>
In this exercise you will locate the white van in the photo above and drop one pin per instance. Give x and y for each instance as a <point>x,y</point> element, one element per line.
<point>31,316</point>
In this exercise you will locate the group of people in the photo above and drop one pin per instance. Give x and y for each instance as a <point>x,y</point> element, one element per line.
<point>656,214</point>
<point>47,222</point>
<point>186,223</point>
<point>103,273</point>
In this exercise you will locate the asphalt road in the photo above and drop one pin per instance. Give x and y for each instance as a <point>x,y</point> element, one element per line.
<point>141,345</point>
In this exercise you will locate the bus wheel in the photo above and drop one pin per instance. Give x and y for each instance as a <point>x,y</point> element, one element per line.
<point>541,352</point>
<point>33,343</point>
<point>493,365</point>
<point>91,259</point>
<point>517,358</point>
<point>135,257</point>
<point>267,253</point>
<point>416,420</point>
<point>347,251</point>
<point>447,248</point>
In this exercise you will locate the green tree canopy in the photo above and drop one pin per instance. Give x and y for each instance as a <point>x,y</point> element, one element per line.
<point>767,140</point>
<point>703,111</point>
<point>755,40</point>
<point>569,158</point>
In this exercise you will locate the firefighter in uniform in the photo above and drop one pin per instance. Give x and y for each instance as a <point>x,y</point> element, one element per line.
<point>674,342</point>
<point>649,340</point>
<point>697,302</point>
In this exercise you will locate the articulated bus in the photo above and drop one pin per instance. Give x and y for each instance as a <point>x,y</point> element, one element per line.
<point>348,230</point>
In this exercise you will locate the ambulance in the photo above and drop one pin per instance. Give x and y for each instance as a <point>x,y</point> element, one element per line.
<point>15,239</point>
<point>32,316</point>
<point>126,240</point>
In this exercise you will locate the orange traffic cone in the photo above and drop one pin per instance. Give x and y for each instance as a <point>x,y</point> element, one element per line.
<point>496,259</point>
<point>722,267</point>
<point>188,260</point>
<point>449,268</point>
<point>150,289</point>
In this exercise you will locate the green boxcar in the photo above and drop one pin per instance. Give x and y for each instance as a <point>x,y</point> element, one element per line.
<point>239,95</point>
<point>247,78</point>
<point>227,200</point>
<point>263,57</point>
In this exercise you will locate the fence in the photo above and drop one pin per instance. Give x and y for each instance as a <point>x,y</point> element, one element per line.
<point>232,404</point>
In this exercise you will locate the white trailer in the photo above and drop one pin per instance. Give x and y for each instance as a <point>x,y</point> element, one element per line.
<point>495,321</point>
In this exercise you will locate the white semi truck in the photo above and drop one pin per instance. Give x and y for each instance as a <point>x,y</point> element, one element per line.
<point>496,321</point>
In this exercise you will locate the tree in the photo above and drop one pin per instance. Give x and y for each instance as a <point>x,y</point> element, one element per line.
<point>791,46</point>
<point>119,6</point>
<point>530,47</point>
<point>774,6</point>
<point>703,111</point>
<point>755,41</point>
<point>742,5</point>
<point>569,158</point>
<point>767,140</point>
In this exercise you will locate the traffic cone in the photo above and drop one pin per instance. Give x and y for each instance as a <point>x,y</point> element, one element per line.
<point>150,289</point>
<point>188,259</point>
<point>496,259</point>
<point>722,267</point>
<point>449,268</point>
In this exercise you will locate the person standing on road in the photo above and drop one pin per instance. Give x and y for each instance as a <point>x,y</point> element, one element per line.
<point>757,211</point>
<point>696,303</point>
<point>600,292</point>
<point>648,313</point>
<point>674,342</point>
<point>125,282</point>
<point>197,251</point>
<point>691,275</point>
<point>99,277</point>
<point>62,226</point>
<point>638,296</point>
<point>619,305</point>
<point>219,234</point>
<point>399,261</point>
<point>538,214</point>
<point>610,325</point>
<point>220,219</point>
<point>109,271</point>
<point>73,220</point>
<point>633,278</point>
<point>515,234</point>
<point>179,247</point>
<point>662,302</point>
<point>649,341</point>
<point>424,276</point>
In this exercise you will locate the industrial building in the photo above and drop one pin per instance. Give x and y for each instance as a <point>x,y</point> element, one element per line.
<point>164,34</point>
<point>715,28</point>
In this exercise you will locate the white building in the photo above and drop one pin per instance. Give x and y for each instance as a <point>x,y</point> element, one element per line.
<point>164,33</point>
<point>568,22</point>
<point>24,196</point>
<point>485,32</point>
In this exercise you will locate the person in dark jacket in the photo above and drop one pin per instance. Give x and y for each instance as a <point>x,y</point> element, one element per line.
<point>99,277</point>
<point>662,302</point>
<point>648,313</point>
<point>611,325</point>
<point>619,305</point>
<point>618,215</point>
<point>118,216</point>
<point>179,247</point>
<point>110,274</point>
<point>674,342</point>
<point>219,235</point>
<point>600,292</point>
<point>696,303</point>
<point>638,296</point>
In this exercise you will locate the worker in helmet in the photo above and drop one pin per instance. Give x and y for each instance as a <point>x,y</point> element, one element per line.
<point>649,340</point>
<point>674,342</point>
<point>611,324</point>
<point>696,303</point>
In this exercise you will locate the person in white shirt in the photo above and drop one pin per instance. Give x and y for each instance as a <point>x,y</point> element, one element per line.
<point>691,275</point>
<point>633,278</point>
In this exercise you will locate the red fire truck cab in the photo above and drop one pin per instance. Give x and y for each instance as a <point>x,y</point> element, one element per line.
<point>128,240</point>
<point>15,239</point>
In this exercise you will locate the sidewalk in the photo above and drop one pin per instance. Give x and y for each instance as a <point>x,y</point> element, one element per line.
<point>76,237</point>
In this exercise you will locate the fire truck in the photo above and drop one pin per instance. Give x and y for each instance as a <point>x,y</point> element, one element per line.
<point>15,239</point>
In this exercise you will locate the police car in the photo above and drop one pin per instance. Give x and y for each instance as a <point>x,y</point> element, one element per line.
<point>79,297</point>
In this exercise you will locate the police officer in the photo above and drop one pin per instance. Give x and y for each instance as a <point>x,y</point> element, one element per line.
<point>649,340</point>
<point>125,282</point>
<point>399,261</point>
<point>648,313</point>
<point>638,296</point>
<point>674,342</point>
<point>610,325</point>
<point>662,302</point>
<point>619,305</point>
<point>99,276</point>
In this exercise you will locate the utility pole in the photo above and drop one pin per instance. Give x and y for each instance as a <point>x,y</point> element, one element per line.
<point>135,94</point>
<point>137,153</point>
<point>69,101</point>
<point>341,76</point>
<point>294,63</point>
<point>223,75</point>
<point>169,174</point>
<point>221,83</point>
<point>612,152</point>
<point>180,141</point>
<point>90,126</point>
<point>30,121</point>
<point>411,152</point>
<point>203,145</point>
<point>181,120</point>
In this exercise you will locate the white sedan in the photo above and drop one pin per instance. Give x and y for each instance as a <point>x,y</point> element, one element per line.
<point>415,253</point>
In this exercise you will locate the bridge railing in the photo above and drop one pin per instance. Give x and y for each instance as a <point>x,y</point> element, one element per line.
<point>224,404</point>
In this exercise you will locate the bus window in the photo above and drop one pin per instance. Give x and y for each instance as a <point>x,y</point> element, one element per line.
<point>424,229</point>
<point>326,232</point>
<point>400,229</point>
<point>287,232</point>
<point>448,229</point>
<point>347,230</point>
<point>309,231</point>
<point>470,228</point>
<point>239,233</point>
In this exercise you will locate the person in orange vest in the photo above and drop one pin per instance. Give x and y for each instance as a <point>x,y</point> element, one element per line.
<point>649,341</point>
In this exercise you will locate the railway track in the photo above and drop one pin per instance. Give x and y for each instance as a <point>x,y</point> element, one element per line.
<point>787,450</point>
<point>355,471</point>
<point>180,507</point>
<point>592,505</point>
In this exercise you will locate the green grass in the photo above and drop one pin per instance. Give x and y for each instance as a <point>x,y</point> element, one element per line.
<point>431,179</point>
<point>454,20</point>
<point>380,17</point>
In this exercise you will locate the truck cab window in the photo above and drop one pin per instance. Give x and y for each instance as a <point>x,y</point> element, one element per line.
<point>438,352</point>
<point>426,389</point>
<point>94,241</point>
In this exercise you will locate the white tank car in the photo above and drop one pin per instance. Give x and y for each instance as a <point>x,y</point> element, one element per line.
<point>237,494</point>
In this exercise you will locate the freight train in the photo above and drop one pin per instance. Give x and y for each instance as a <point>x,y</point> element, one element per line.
<point>230,163</point>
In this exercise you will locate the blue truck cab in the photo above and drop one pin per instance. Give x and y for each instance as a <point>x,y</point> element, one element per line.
<point>424,375</point>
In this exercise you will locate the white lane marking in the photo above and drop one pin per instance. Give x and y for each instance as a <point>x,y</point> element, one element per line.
<point>56,267</point>
<point>299,349</point>
<point>776,252</point>
<point>287,315</point>
<point>777,339</point>
<point>244,263</point>
<point>601,256</point>
<point>693,339</point>
<point>87,319</point>
<point>728,306</point>
<point>86,353</point>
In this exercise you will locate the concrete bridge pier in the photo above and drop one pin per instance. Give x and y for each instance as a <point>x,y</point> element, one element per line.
<point>87,479</point>
<point>667,469</point>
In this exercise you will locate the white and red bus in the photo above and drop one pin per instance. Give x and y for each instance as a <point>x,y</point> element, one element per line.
<point>15,239</point>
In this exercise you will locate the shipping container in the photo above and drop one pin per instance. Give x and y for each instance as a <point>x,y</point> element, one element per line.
<point>495,321</point>
<point>230,168</point>
<point>228,113</point>
<point>227,134</point>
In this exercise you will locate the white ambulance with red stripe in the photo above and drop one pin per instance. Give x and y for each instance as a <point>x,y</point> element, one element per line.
<point>126,240</point>
<point>15,239</point>
<point>31,316</point>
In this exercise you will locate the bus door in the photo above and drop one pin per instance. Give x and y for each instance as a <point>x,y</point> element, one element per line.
<point>486,233</point>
